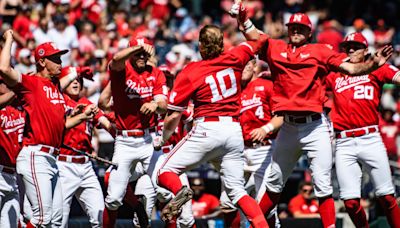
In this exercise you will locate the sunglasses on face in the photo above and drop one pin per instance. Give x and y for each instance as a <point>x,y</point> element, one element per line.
<point>54,58</point>
<point>141,54</point>
<point>353,47</point>
<point>307,190</point>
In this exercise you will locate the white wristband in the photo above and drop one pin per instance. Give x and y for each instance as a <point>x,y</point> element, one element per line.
<point>248,26</point>
<point>73,74</point>
<point>268,128</point>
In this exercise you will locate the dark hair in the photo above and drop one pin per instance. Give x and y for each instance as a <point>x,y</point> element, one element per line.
<point>212,42</point>
<point>304,183</point>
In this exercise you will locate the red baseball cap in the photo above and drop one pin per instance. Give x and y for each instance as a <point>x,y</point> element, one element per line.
<point>355,37</point>
<point>300,18</point>
<point>139,41</point>
<point>68,70</point>
<point>47,49</point>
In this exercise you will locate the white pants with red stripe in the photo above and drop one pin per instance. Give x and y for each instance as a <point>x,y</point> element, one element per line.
<point>218,142</point>
<point>42,186</point>
<point>128,152</point>
<point>370,151</point>
<point>81,181</point>
<point>9,200</point>
<point>313,138</point>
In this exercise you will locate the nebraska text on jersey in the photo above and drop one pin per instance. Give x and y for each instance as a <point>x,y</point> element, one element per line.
<point>346,82</point>
<point>135,90</point>
<point>11,124</point>
<point>250,103</point>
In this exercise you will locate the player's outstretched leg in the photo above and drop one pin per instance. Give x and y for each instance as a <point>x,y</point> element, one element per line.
<point>269,201</point>
<point>174,206</point>
<point>356,212</point>
<point>252,212</point>
<point>392,211</point>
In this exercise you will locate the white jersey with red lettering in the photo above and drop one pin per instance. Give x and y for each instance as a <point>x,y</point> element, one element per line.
<point>355,119</point>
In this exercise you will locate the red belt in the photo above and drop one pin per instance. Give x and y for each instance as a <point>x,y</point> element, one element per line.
<point>356,133</point>
<point>49,150</point>
<point>8,170</point>
<point>134,133</point>
<point>79,160</point>
<point>217,119</point>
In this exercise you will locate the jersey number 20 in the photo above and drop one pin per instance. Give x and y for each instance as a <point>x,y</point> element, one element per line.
<point>220,82</point>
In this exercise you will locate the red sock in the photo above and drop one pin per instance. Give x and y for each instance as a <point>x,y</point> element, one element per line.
<point>232,219</point>
<point>252,211</point>
<point>268,202</point>
<point>109,218</point>
<point>392,211</point>
<point>29,225</point>
<point>356,212</point>
<point>106,179</point>
<point>170,181</point>
<point>327,211</point>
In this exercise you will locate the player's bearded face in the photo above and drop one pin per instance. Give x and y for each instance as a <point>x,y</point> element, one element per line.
<point>298,34</point>
<point>139,59</point>
<point>356,52</point>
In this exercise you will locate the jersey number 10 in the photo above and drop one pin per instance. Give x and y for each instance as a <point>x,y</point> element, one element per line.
<point>220,82</point>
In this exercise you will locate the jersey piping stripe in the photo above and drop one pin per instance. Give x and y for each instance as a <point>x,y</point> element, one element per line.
<point>176,108</point>
<point>179,145</point>
<point>36,184</point>
<point>395,77</point>
<point>247,45</point>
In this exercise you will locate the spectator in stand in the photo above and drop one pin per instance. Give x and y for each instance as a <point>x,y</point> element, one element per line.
<point>87,38</point>
<point>389,130</point>
<point>25,64</point>
<point>40,34</point>
<point>303,205</point>
<point>330,34</point>
<point>9,10</point>
<point>65,37</point>
<point>23,25</point>
<point>359,25</point>
<point>387,98</point>
<point>204,205</point>
<point>383,34</point>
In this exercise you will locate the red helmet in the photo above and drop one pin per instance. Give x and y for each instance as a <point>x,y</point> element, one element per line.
<point>300,18</point>
<point>355,37</point>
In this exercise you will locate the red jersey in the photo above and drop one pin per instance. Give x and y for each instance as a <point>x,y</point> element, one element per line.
<point>12,128</point>
<point>299,73</point>
<point>389,133</point>
<point>255,106</point>
<point>356,98</point>
<point>80,136</point>
<point>205,205</point>
<point>213,85</point>
<point>299,204</point>
<point>44,106</point>
<point>130,91</point>
<point>180,130</point>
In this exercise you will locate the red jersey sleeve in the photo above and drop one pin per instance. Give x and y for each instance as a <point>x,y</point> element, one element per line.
<point>248,49</point>
<point>181,92</point>
<point>160,87</point>
<point>387,73</point>
<point>330,57</point>
<point>26,83</point>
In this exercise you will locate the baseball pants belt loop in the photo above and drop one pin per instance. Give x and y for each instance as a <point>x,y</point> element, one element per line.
<point>217,119</point>
<point>49,150</point>
<point>73,159</point>
<point>357,132</point>
<point>302,119</point>
<point>7,169</point>
<point>166,149</point>
<point>135,132</point>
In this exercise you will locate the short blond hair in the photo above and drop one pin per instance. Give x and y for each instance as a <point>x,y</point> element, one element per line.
<point>212,42</point>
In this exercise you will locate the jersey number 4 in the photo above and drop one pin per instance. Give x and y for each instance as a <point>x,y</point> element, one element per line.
<point>224,92</point>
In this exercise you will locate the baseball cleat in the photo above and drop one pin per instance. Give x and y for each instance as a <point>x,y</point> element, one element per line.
<point>173,207</point>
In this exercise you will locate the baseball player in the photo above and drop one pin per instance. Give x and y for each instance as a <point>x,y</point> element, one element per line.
<point>11,129</point>
<point>138,92</point>
<point>298,69</point>
<point>255,118</point>
<point>213,85</point>
<point>76,172</point>
<point>44,107</point>
<point>355,119</point>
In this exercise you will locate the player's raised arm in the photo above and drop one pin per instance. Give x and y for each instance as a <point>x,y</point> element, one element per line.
<point>376,61</point>
<point>118,61</point>
<point>105,100</point>
<point>239,11</point>
<point>9,74</point>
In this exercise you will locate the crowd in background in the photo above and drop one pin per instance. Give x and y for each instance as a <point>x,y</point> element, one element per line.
<point>95,30</point>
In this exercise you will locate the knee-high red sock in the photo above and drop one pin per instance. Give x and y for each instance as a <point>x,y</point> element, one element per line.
<point>232,219</point>
<point>268,202</point>
<point>327,211</point>
<point>109,218</point>
<point>356,212</point>
<point>252,211</point>
<point>170,181</point>
<point>392,211</point>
